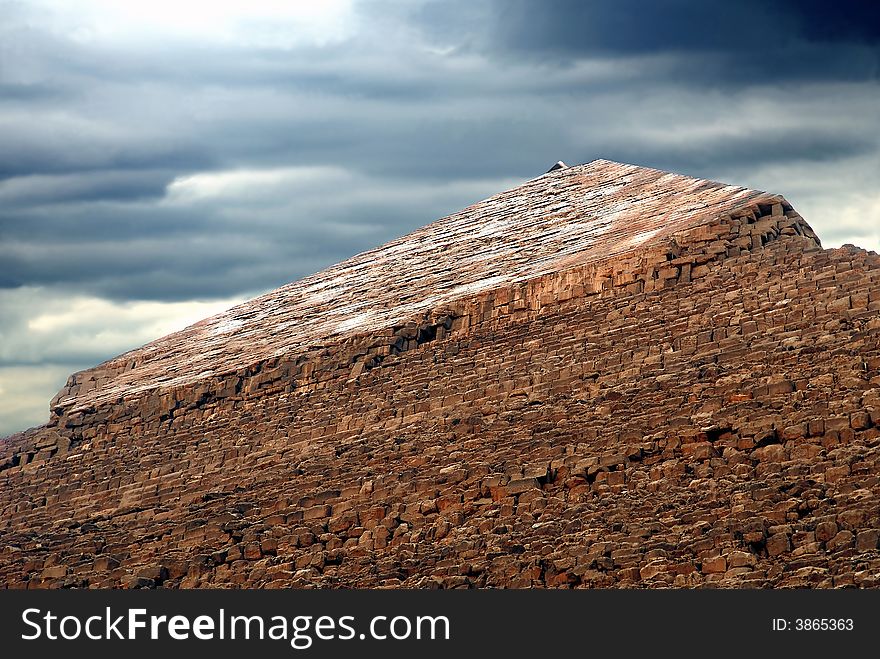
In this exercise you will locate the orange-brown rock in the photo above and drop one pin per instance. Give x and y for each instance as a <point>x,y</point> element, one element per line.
<point>608,376</point>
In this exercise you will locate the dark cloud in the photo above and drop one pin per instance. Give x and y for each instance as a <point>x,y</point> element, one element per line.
<point>842,20</point>
<point>633,26</point>
<point>720,43</point>
<point>36,195</point>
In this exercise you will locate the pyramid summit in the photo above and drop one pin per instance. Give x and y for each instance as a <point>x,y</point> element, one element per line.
<point>607,376</point>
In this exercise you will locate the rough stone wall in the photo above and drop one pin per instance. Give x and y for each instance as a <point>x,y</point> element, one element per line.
<point>704,412</point>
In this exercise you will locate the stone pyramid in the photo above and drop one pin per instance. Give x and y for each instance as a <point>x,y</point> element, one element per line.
<point>609,376</point>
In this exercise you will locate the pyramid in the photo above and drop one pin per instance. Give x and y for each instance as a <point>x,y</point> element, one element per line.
<point>609,376</point>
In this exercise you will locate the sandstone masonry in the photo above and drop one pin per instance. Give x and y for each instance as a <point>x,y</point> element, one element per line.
<point>608,377</point>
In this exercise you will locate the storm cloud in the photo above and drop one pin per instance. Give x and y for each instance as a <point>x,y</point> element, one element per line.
<point>161,160</point>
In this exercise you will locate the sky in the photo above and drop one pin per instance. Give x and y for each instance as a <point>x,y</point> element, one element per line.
<point>163,160</point>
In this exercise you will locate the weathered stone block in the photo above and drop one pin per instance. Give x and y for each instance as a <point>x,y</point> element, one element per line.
<point>867,539</point>
<point>778,544</point>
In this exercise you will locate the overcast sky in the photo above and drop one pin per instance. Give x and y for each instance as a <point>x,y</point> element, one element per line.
<point>161,160</point>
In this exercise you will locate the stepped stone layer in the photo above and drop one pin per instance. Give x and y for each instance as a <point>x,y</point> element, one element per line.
<point>609,376</point>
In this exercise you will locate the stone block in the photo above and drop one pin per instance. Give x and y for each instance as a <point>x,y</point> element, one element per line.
<point>778,544</point>
<point>867,539</point>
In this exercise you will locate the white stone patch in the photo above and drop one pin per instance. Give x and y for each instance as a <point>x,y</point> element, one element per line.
<point>356,321</point>
<point>479,285</point>
<point>643,237</point>
<point>605,190</point>
<point>227,325</point>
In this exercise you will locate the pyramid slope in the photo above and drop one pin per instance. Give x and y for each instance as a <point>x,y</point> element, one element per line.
<point>572,216</point>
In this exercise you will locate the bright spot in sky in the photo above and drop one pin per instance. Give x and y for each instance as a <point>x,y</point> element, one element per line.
<point>268,23</point>
<point>253,182</point>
